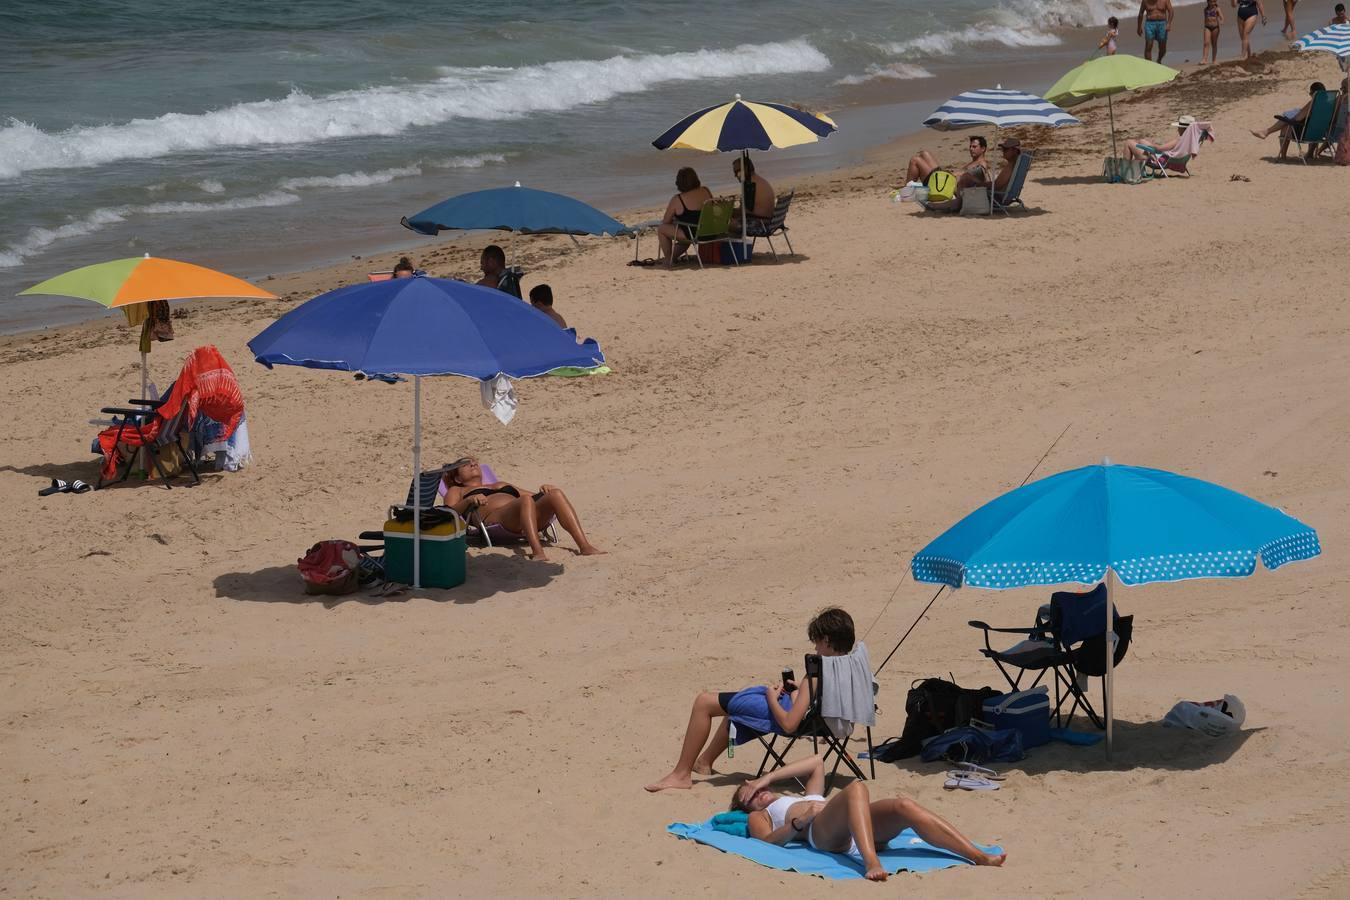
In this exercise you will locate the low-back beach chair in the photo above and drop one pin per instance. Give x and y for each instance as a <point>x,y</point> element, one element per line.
<point>814,726</point>
<point>713,227</point>
<point>1012,195</point>
<point>1068,640</point>
<point>490,534</point>
<point>774,225</point>
<point>1316,128</point>
<point>1159,164</point>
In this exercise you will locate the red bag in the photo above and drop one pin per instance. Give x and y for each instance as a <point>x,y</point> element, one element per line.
<point>331,567</point>
<point>710,254</point>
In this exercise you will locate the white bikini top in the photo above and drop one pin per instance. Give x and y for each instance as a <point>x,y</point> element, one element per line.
<point>778,809</point>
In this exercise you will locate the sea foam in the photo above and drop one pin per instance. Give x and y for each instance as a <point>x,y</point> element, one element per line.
<point>299,118</point>
<point>894,71</point>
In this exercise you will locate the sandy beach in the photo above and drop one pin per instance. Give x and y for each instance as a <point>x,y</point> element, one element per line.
<point>180,720</point>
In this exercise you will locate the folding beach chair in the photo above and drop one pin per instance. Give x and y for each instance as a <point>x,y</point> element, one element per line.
<point>814,726</point>
<point>1012,195</point>
<point>490,534</point>
<point>775,224</point>
<point>510,281</point>
<point>1068,640</point>
<point>205,385</point>
<point>713,227</point>
<point>1316,128</point>
<point>1160,164</point>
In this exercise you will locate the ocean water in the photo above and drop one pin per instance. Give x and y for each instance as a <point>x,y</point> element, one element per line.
<point>261,137</point>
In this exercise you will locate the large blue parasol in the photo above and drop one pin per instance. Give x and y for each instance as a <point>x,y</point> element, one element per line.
<point>1105,522</point>
<point>421,326</point>
<point>521,209</point>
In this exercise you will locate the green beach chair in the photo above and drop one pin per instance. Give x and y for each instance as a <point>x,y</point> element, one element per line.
<point>713,227</point>
<point>1316,128</point>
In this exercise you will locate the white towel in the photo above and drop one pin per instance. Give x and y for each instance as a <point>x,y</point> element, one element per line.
<point>499,395</point>
<point>846,696</point>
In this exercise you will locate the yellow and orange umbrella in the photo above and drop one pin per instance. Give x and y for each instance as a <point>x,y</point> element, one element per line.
<point>126,282</point>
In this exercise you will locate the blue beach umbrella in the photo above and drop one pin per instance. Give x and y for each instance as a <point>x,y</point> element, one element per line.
<point>1106,522</point>
<point>521,209</point>
<point>1332,39</point>
<point>421,326</point>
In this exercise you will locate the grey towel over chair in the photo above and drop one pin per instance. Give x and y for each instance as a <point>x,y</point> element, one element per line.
<point>846,695</point>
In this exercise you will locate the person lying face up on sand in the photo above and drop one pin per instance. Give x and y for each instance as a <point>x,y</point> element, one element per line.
<point>849,822</point>
<point>972,174</point>
<point>520,512</point>
<point>780,706</point>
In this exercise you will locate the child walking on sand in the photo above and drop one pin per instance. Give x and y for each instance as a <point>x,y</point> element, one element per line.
<point>1209,53</point>
<point>1108,43</point>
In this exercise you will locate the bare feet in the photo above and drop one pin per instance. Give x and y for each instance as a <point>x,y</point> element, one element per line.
<point>540,555</point>
<point>703,768</point>
<point>876,873</point>
<point>671,782</point>
<point>592,550</point>
<point>1258,134</point>
<point>989,859</point>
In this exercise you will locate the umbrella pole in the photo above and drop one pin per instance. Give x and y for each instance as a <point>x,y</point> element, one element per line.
<point>991,172</point>
<point>417,481</point>
<point>1108,700</point>
<point>145,378</point>
<point>745,182</point>
<point>1111,110</point>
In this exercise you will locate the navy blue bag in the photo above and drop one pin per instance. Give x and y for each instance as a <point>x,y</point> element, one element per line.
<point>976,745</point>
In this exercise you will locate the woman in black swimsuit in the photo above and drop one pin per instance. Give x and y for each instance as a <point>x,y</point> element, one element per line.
<point>504,504</point>
<point>1247,11</point>
<point>683,209</point>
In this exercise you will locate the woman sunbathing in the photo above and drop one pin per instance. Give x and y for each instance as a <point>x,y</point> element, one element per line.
<point>519,512</point>
<point>849,822</point>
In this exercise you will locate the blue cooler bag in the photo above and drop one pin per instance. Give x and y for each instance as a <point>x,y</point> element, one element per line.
<point>1026,712</point>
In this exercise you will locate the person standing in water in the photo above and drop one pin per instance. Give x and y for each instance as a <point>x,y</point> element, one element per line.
<point>1213,19</point>
<point>1108,43</point>
<point>1247,11</point>
<point>1288,30</point>
<point>1155,18</point>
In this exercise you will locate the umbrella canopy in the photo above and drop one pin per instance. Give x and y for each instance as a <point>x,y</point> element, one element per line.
<point>1144,524</point>
<point>421,326</point>
<point>1102,522</point>
<point>521,209</point>
<point>123,282</point>
<point>999,108</point>
<point>1333,39</point>
<point>745,125</point>
<point>1107,75</point>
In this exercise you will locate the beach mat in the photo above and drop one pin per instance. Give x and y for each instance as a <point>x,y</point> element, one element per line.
<point>905,853</point>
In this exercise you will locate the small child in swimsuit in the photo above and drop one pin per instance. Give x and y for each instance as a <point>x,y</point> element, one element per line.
<point>1209,52</point>
<point>1108,43</point>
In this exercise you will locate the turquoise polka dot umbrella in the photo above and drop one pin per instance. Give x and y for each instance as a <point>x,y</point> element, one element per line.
<point>1106,522</point>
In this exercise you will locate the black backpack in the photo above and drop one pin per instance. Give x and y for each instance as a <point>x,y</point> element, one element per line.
<point>932,706</point>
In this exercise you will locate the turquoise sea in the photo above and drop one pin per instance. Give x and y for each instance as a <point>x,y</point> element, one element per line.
<point>261,137</point>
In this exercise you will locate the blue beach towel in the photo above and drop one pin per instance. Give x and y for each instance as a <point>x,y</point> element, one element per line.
<point>749,709</point>
<point>905,853</point>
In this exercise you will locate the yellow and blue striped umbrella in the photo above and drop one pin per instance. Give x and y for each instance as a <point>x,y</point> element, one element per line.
<point>745,125</point>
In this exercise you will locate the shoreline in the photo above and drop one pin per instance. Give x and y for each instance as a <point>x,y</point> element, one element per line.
<point>865,112</point>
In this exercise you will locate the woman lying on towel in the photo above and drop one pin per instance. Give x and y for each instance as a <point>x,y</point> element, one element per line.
<point>849,822</point>
<point>520,512</point>
<point>776,709</point>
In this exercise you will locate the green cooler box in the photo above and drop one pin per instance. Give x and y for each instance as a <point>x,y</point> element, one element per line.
<point>443,552</point>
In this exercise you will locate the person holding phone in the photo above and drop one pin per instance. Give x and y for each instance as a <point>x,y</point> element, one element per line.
<point>780,707</point>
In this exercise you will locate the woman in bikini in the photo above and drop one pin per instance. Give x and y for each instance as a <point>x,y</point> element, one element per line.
<point>849,822</point>
<point>682,212</point>
<point>515,510</point>
<point>1209,53</point>
<point>1247,11</point>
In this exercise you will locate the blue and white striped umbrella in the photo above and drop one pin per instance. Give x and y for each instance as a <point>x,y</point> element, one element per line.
<point>1333,39</point>
<point>999,108</point>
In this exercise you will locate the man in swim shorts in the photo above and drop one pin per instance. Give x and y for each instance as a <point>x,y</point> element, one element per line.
<point>1155,18</point>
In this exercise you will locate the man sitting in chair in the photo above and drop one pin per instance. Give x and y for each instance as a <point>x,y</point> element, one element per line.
<point>780,706</point>
<point>972,174</point>
<point>1011,148</point>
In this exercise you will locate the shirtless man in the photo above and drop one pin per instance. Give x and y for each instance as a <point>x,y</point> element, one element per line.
<point>975,173</point>
<point>493,264</point>
<point>1155,18</point>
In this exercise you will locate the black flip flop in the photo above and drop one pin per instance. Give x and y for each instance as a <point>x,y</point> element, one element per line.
<point>58,487</point>
<point>80,487</point>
